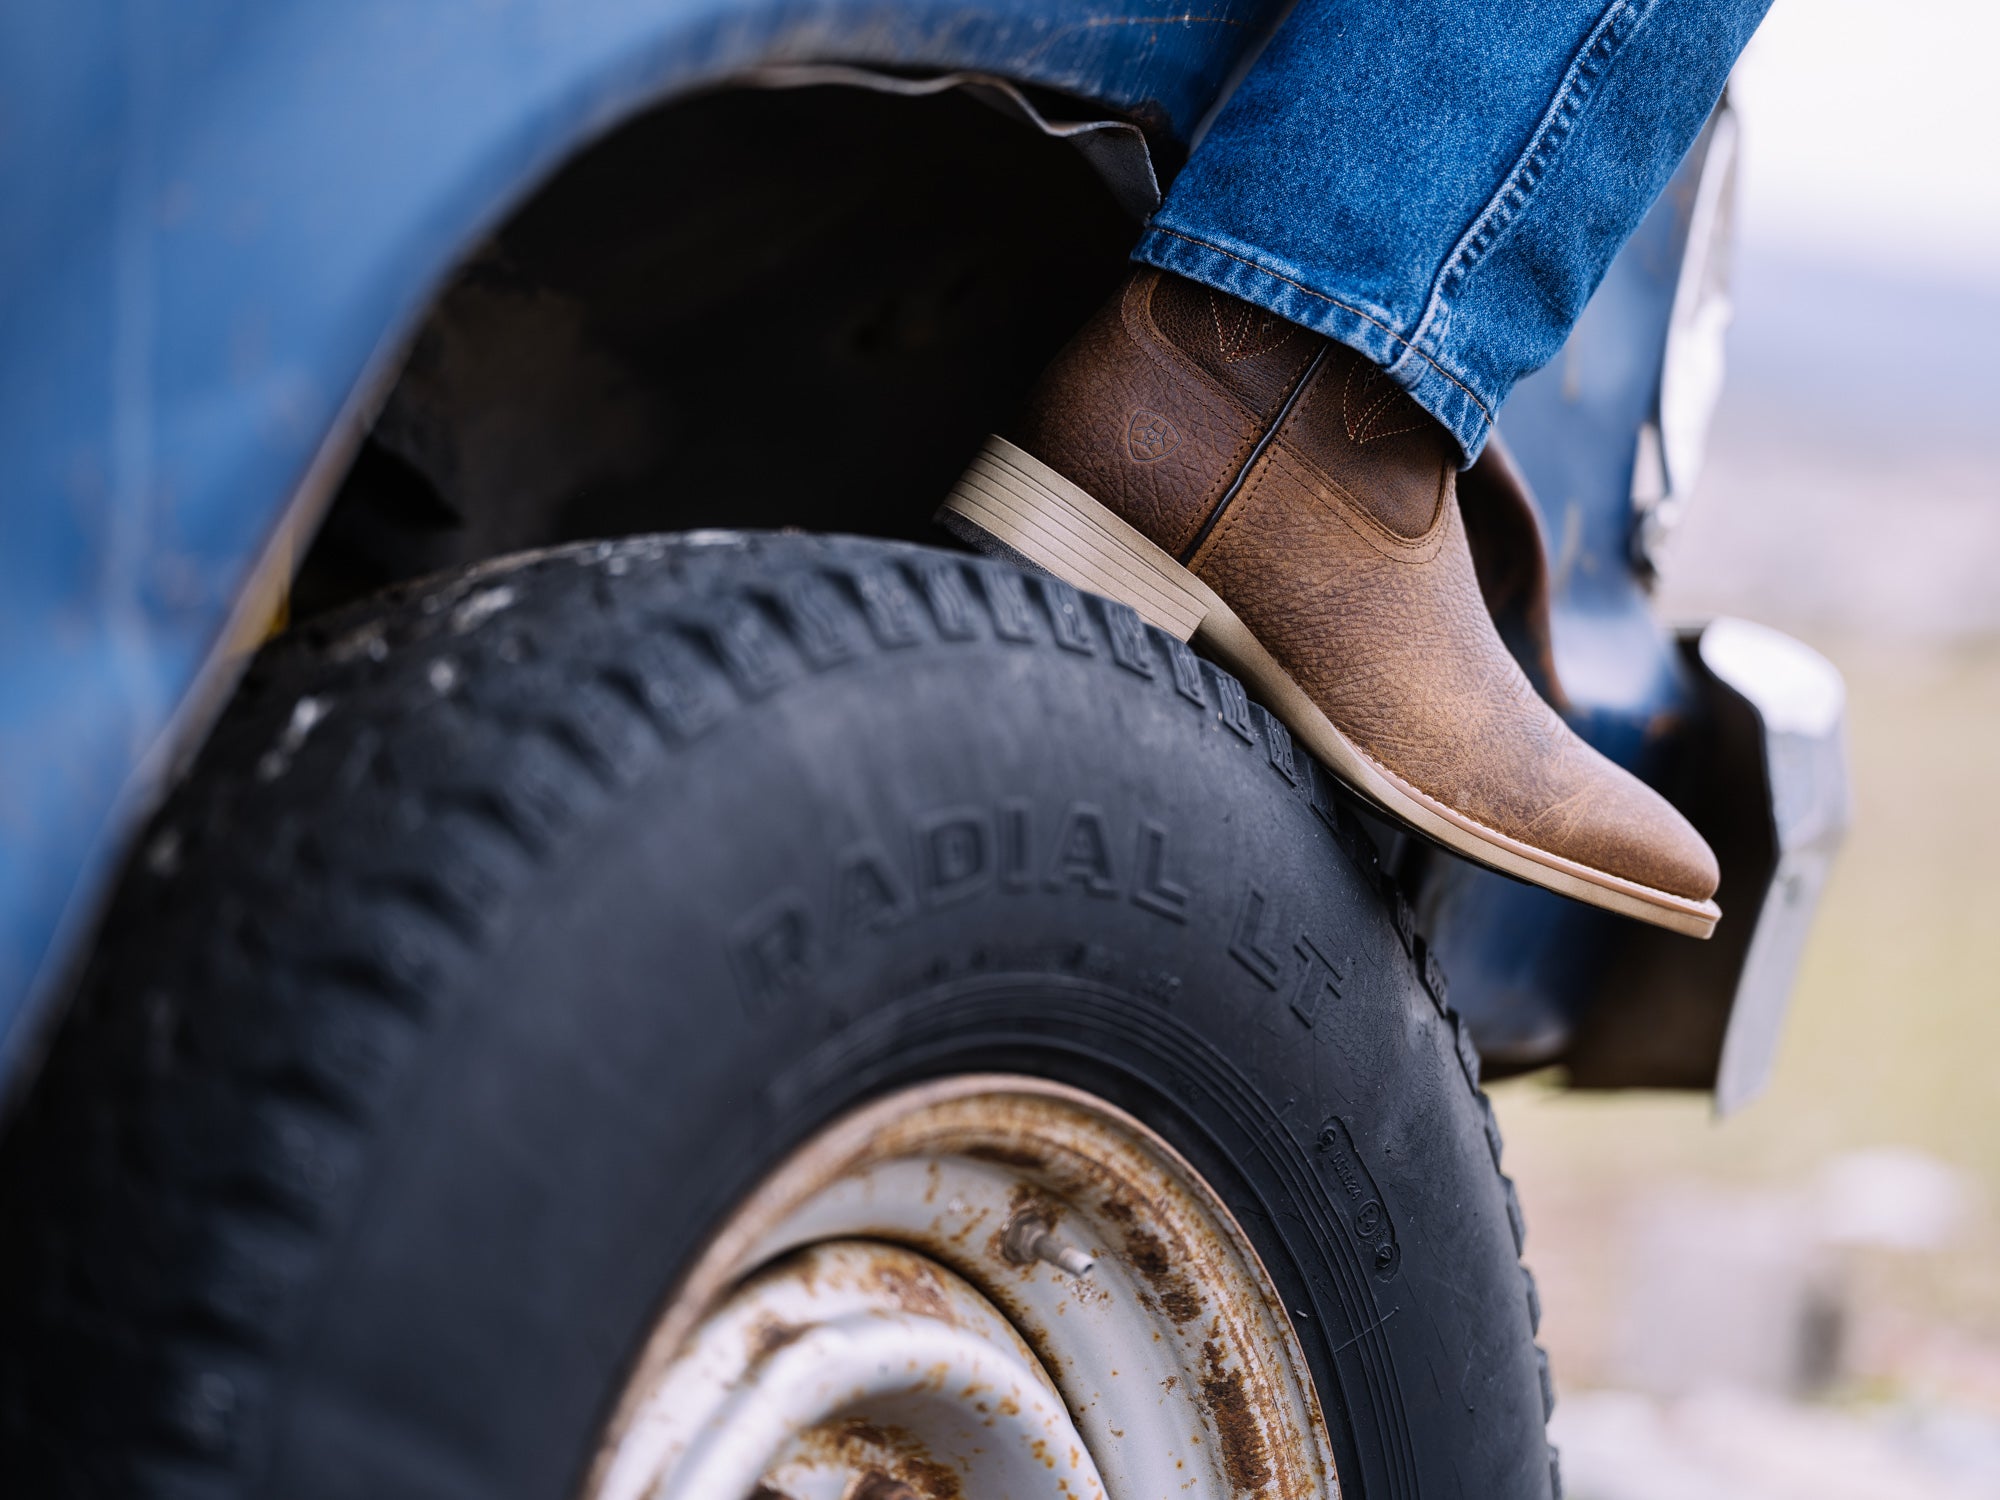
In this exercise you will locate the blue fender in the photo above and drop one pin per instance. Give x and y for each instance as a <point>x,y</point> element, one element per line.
<point>221,217</point>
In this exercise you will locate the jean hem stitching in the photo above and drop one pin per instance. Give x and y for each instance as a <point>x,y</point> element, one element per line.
<point>1559,121</point>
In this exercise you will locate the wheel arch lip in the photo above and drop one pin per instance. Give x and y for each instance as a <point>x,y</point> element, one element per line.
<point>224,222</point>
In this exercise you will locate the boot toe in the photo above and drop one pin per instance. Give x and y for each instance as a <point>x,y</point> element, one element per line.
<point>1631,831</point>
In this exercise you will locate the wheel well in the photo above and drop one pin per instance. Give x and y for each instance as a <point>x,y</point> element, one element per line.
<point>752,307</point>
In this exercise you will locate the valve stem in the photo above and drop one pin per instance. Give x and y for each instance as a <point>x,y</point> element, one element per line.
<point>1029,1238</point>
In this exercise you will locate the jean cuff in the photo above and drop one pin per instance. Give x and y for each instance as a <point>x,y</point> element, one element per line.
<point>1239,271</point>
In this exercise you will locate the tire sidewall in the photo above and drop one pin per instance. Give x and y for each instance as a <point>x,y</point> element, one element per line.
<point>772,928</point>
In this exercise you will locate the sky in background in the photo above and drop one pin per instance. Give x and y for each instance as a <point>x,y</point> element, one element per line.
<point>1868,249</point>
<point>1872,131</point>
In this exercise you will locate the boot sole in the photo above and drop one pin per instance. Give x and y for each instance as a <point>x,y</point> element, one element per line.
<point>1012,503</point>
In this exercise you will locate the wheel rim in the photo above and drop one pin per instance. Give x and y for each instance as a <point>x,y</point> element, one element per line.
<point>987,1286</point>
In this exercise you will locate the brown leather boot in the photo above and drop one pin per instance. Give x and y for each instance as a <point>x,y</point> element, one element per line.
<point>1274,497</point>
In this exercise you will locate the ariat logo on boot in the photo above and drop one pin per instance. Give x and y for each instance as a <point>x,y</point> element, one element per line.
<point>1151,436</point>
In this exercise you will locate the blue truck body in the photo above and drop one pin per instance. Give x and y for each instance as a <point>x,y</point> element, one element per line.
<point>220,221</point>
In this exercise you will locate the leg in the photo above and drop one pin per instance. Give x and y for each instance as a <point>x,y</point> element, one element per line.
<point>1441,187</point>
<point>1256,442</point>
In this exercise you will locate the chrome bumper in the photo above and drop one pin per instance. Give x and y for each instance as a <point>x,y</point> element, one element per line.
<point>1756,758</point>
<point>1792,703</point>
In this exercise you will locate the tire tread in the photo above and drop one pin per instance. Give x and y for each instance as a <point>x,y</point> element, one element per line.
<point>235,1127</point>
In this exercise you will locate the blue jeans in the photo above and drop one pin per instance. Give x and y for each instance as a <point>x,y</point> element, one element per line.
<point>1441,185</point>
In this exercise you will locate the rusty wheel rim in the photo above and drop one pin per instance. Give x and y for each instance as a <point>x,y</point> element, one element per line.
<point>988,1286</point>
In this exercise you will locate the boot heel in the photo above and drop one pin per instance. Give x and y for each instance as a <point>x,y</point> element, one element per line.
<point>1011,503</point>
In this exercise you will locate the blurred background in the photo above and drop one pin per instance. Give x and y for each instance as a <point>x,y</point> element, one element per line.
<point>1804,1300</point>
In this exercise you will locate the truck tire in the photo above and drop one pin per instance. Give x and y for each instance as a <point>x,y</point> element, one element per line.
<point>513,925</point>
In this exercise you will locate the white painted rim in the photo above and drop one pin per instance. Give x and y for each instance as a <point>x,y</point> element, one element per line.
<point>896,1314</point>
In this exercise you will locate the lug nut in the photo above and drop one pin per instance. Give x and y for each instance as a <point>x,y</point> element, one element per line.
<point>1029,1238</point>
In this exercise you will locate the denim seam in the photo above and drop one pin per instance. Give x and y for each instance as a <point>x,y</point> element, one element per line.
<point>1408,347</point>
<point>1559,121</point>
